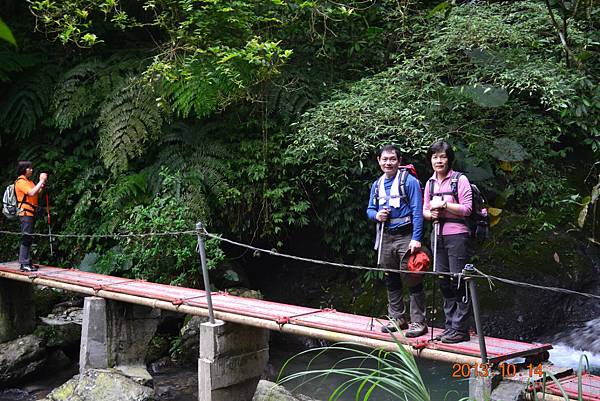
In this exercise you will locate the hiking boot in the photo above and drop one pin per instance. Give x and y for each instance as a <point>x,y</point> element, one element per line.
<point>28,268</point>
<point>395,324</point>
<point>442,334</point>
<point>416,329</point>
<point>455,337</point>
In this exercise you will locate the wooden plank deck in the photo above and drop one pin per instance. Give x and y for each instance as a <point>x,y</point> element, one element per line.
<point>590,387</point>
<point>498,349</point>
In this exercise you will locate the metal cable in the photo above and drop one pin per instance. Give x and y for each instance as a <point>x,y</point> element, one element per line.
<point>489,277</point>
<point>91,236</point>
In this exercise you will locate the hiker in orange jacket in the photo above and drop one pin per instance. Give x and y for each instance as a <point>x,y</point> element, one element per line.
<point>27,201</point>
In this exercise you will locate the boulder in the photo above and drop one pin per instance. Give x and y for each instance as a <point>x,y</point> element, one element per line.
<point>190,340</point>
<point>101,385</point>
<point>21,357</point>
<point>269,391</point>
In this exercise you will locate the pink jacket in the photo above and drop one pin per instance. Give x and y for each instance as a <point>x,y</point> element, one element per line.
<point>464,199</point>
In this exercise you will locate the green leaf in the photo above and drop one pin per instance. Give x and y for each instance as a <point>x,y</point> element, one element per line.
<point>6,34</point>
<point>231,276</point>
<point>438,9</point>
<point>582,215</point>
<point>486,95</point>
<point>88,262</point>
<point>508,150</point>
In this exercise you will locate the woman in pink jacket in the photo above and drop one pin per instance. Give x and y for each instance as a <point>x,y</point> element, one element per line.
<point>447,201</point>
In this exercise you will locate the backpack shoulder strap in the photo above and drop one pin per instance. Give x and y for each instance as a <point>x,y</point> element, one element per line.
<point>431,184</point>
<point>402,183</point>
<point>376,194</point>
<point>24,200</point>
<point>454,184</point>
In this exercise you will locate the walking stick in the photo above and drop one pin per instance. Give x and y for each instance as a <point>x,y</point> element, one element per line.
<point>380,227</point>
<point>436,232</point>
<point>379,245</point>
<point>49,227</point>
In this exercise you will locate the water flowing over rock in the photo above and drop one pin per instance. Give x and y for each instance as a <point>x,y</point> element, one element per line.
<point>101,385</point>
<point>586,337</point>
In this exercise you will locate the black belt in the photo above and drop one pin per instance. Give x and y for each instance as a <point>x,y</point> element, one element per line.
<point>402,230</point>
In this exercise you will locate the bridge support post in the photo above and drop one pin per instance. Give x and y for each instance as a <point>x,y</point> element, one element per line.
<point>93,353</point>
<point>17,309</point>
<point>116,335</point>
<point>232,358</point>
<point>481,385</point>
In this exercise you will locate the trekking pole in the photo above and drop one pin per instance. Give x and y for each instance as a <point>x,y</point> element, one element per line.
<point>436,229</point>
<point>379,245</point>
<point>380,229</point>
<point>49,226</point>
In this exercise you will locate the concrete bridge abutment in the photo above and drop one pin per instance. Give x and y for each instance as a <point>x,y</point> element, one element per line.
<point>17,309</point>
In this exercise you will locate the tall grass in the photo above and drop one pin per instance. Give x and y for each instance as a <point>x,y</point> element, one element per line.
<point>396,373</point>
<point>584,366</point>
<point>365,370</point>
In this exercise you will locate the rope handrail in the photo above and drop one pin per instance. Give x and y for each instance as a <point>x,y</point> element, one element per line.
<point>481,274</point>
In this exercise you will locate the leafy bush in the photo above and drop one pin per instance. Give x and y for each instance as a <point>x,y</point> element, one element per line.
<point>483,76</point>
<point>170,259</point>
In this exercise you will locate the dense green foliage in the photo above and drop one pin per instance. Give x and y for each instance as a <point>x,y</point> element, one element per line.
<point>489,79</point>
<point>261,118</point>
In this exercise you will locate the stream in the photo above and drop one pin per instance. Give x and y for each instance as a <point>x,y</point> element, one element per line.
<point>180,384</point>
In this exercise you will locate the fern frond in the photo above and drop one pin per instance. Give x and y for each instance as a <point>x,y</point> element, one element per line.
<point>202,161</point>
<point>288,101</point>
<point>76,93</point>
<point>131,189</point>
<point>202,88</point>
<point>12,62</point>
<point>127,122</point>
<point>81,89</point>
<point>27,102</point>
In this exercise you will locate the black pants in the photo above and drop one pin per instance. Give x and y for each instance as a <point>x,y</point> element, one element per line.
<point>453,252</point>
<point>27,223</point>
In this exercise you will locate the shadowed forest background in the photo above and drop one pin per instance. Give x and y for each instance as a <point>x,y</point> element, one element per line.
<point>262,120</point>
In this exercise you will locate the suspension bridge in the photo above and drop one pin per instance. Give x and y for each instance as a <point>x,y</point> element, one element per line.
<point>327,324</point>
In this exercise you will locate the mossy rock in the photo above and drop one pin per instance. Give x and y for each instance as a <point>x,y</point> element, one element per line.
<point>101,385</point>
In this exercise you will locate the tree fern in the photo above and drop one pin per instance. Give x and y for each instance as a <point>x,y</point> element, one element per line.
<point>77,93</point>
<point>286,101</point>
<point>200,159</point>
<point>200,87</point>
<point>82,88</point>
<point>127,122</point>
<point>27,101</point>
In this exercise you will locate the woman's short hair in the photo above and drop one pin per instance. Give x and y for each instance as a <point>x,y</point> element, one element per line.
<point>441,146</point>
<point>22,166</point>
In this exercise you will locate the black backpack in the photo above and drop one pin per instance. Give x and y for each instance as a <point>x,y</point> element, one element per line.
<point>478,221</point>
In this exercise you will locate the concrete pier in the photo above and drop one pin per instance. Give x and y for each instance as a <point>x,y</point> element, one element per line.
<point>17,309</point>
<point>116,335</point>
<point>232,359</point>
